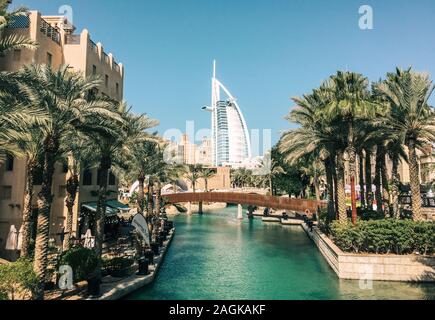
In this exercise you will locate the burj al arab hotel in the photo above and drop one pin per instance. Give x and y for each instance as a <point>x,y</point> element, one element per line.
<point>230,136</point>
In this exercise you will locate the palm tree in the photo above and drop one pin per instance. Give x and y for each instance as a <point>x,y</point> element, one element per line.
<point>140,164</point>
<point>128,132</point>
<point>61,93</point>
<point>321,137</point>
<point>79,154</point>
<point>14,41</point>
<point>30,143</point>
<point>194,174</point>
<point>16,115</point>
<point>351,101</point>
<point>407,93</point>
<point>269,169</point>
<point>207,174</point>
<point>314,170</point>
<point>174,173</point>
<point>397,154</point>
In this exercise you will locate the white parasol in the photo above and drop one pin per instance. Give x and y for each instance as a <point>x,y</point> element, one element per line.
<point>89,240</point>
<point>12,239</point>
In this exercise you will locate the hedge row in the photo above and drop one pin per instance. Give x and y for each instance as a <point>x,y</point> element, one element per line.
<point>385,237</point>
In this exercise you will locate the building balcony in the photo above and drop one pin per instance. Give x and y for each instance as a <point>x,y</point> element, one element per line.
<point>49,31</point>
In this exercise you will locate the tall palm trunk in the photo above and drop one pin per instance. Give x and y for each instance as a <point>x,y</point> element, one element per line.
<point>27,212</point>
<point>352,170</point>
<point>150,198</point>
<point>194,186</point>
<point>414,177</point>
<point>141,195</point>
<point>72,185</point>
<point>368,180</point>
<point>316,186</point>
<point>395,187</point>
<point>334,177</point>
<point>341,192</point>
<point>206,185</point>
<point>104,167</point>
<point>378,178</point>
<point>45,199</point>
<point>385,187</point>
<point>158,197</point>
<point>330,188</point>
<point>361,178</point>
<point>270,185</point>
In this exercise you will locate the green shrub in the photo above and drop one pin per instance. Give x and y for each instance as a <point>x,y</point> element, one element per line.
<point>83,262</point>
<point>367,215</point>
<point>385,236</point>
<point>118,267</point>
<point>18,280</point>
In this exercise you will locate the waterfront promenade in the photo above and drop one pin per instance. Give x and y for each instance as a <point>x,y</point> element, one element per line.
<point>117,288</point>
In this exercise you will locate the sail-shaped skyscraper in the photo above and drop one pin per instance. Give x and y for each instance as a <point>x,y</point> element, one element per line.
<point>230,136</point>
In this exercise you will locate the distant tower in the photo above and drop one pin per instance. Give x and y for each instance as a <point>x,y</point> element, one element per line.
<point>230,136</point>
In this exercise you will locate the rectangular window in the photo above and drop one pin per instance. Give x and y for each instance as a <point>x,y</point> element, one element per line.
<point>6,193</point>
<point>17,55</point>
<point>87,177</point>
<point>117,88</point>
<point>64,167</point>
<point>62,192</point>
<point>112,179</point>
<point>9,166</point>
<point>106,82</point>
<point>49,59</point>
<point>94,70</point>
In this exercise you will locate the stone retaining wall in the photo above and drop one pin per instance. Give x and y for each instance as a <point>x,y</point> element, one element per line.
<point>372,266</point>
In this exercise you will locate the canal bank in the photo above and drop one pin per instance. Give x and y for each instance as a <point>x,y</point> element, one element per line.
<point>216,256</point>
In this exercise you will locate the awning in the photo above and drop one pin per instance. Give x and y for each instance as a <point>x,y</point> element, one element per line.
<point>93,207</point>
<point>115,204</point>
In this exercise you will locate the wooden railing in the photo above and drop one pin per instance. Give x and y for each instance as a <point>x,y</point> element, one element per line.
<point>279,203</point>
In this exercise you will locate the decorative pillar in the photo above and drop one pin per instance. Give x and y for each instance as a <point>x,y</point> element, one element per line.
<point>240,212</point>
<point>189,208</point>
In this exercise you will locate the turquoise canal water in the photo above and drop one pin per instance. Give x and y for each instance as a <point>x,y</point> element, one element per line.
<point>215,256</point>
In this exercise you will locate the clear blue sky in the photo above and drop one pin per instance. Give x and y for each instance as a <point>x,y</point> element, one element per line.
<point>267,50</point>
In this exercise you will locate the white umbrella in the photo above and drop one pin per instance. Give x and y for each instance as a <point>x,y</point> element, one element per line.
<point>20,238</point>
<point>89,243</point>
<point>12,239</point>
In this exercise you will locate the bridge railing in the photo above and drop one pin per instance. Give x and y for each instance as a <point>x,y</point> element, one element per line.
<point>280,203</point>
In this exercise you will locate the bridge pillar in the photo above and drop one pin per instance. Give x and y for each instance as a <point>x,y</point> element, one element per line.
<point>189,208</point>
<point>240,212</point>
<point>200,208</point>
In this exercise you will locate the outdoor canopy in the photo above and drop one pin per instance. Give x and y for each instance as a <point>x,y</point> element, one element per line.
<point>93,207</point>
<point>118,205</point>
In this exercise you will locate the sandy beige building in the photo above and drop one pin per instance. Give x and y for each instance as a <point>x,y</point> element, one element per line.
<point>58,45</point>
<point>220,181</point>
